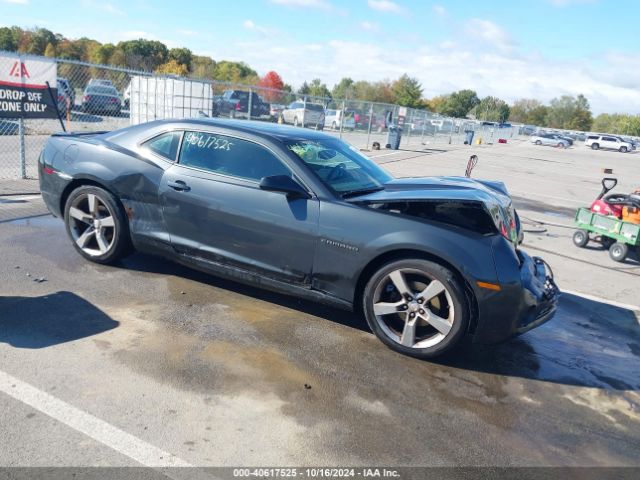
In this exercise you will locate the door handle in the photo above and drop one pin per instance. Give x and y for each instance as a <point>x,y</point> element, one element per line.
<point>179,186</point>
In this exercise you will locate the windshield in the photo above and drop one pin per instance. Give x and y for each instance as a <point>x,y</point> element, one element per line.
<point>340,166</point>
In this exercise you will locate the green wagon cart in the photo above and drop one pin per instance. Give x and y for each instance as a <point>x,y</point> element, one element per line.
<point>616,235</point>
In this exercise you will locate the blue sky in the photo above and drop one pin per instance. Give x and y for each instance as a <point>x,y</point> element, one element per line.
<point>512,49</point>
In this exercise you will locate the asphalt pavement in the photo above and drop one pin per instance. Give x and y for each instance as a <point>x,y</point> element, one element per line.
<point>150,363</point>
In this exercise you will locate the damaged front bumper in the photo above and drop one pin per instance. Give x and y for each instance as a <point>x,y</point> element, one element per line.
<point>525,302</point>
<point>541,293</point>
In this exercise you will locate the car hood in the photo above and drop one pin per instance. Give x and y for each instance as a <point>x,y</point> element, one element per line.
<point>492,194</point>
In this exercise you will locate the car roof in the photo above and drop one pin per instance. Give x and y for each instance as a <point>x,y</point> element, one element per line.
<point>267,130</point>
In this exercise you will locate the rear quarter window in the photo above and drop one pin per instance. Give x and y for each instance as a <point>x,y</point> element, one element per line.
<point>165,145</point>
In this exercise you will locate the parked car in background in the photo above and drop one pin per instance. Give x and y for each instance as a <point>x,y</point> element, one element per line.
<point>608,142</point>
<point>101,100</point>
<point>100,82</point>
<point>63,102</point>
<point>335,119</point>
<point>427,261</point>
<point>235,104</point>
<point>275,109</point>
<point>558,136</point>
<point>126,97</point>
<point>549,139</point>
<point>71,93</point>
<point>302,113</point>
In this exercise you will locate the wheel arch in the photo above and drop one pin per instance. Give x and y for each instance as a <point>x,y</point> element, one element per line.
<point>402,254</point>
<point>81,182</point>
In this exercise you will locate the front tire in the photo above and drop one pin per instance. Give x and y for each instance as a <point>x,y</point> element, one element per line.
<point>623,149</point>
<point>416,307</point>
<point>96,223</point>
<point>295,121</point>
<point>538,142</point>
<point>618,251</point>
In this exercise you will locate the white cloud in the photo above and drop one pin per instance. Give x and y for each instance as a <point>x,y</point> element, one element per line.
<point>610,83</point>
<point>251,25</point>
<point>17,2</point>
<point>439,10</point>
<point>369,26</point>
<point>386,6</point>
<point>320,4</point>
<point>488,32</point>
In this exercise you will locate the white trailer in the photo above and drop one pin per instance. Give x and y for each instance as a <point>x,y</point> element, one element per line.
<point>156,98</point>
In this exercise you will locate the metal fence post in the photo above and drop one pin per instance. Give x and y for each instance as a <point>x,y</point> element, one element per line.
<point>250,103</point>
<point>342,114</point>
<point>424,124</point>
<point>369,129</point>
<point>23,153</point>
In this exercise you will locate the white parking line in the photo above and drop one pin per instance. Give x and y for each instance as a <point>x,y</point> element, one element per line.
<point>95,428</point>
<point>613,303</point>
<point>387,154</point>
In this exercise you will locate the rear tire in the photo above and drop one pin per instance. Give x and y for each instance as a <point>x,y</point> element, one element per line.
<point>295,121</point>
<point>619,251</point>
<point>416,307</point>
<point>97,225</point>
<point>333,126</point>
<point>538,142</point>
<point>595,146</point>
<point>580,238</point>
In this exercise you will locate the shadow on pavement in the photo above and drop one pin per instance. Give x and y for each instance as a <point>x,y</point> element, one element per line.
<point>146,263</point>
<point>587,344</point>
<point>39,322</point>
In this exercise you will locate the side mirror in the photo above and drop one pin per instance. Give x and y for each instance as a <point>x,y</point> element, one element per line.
<point>284,184</point>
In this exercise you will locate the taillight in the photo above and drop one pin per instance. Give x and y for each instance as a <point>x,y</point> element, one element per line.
<point>86,98</point>
<point>60,98</point>
<point>48,170</point>
<point>238,108</point>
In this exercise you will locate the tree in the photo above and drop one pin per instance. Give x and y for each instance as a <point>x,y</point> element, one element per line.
<point>182,56</point>
<point>144,54</point>
<point>436,104</point>
<point>491,109</point>
<point>407,91</point>
<point>342,89</point>
<point>202,67</point>
<point>39,39</point>
<point>50,51</point>
<point>304,89</point>
<point>238,72</point>
<point>459,103</point>
<point>102,55</point>
<point>319,89</point>
<point>272,81</point>
<point>570,113</point>
<point>172,67</point>
<point>8,40</point>
<point>617,123</point>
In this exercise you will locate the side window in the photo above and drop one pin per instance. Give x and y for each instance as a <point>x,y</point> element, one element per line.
<point>165,145</point>
<point>229,156</point>
<point>608,139</point>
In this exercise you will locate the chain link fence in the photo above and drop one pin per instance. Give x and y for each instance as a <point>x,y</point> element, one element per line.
<point>101,98</point>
